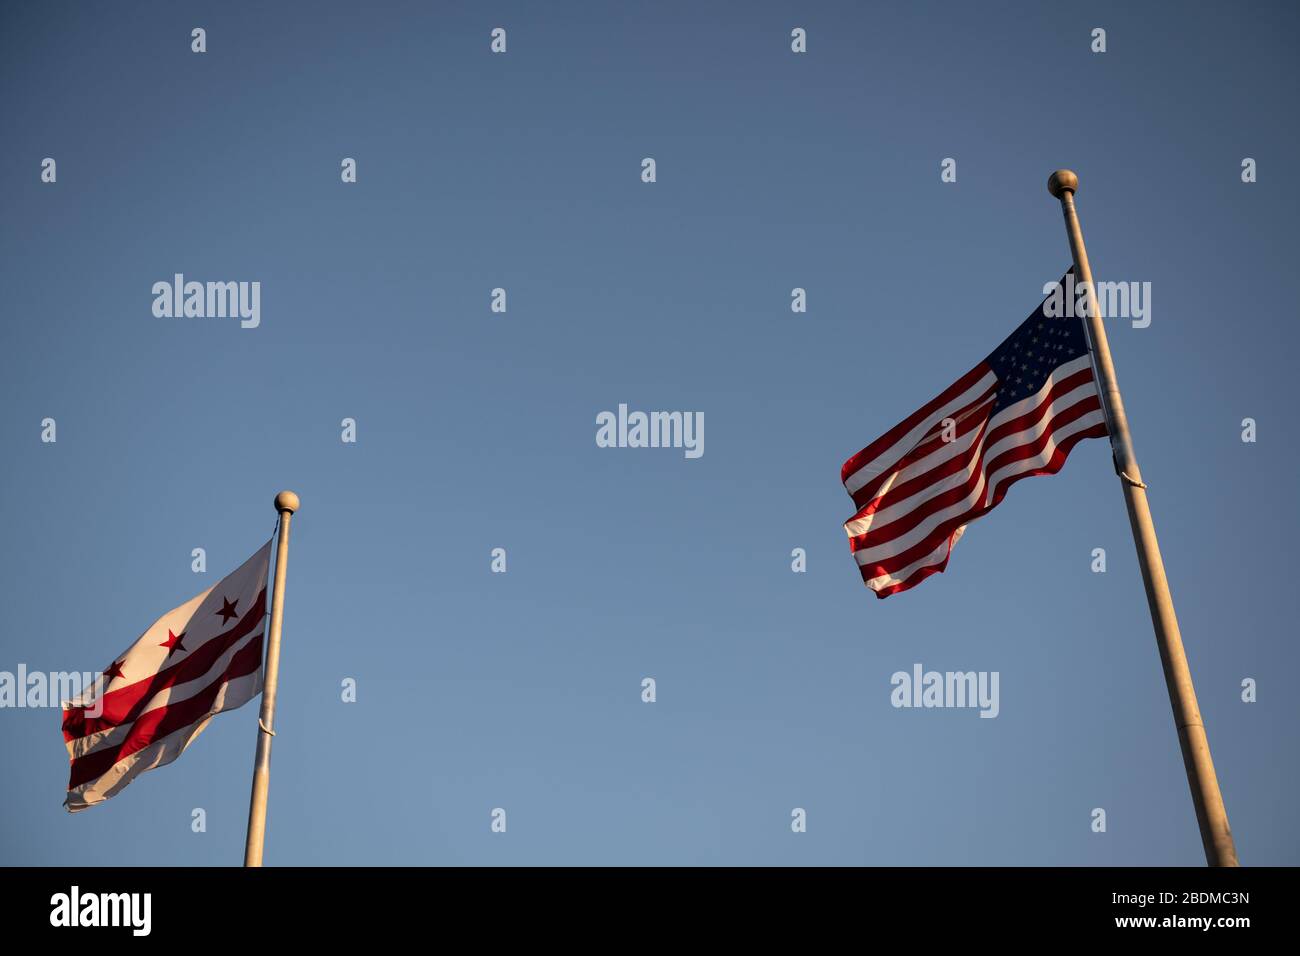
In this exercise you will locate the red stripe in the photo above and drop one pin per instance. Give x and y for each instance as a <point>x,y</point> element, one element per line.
<point>1032,417</point>
<point>917,484</point>
<point>895,434</point>
<point>991,493</point>
<point>864,494</point>
<point>946,527</point>
<point>920,574</point>
<point>124,704</point>
<point>1053,465</point>
<point>877,535</point>
<point>1020,452</point>
<point>917,576</point>
<point>160,722</point>
<point>882,534</point>
<point>933,439</point>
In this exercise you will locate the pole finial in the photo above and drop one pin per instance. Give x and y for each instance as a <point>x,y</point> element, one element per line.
<point>1061,182</point>
<point>286,501</point>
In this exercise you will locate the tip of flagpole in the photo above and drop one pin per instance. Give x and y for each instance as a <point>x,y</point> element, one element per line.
<point>1061,182</point>
<point>286,501</point>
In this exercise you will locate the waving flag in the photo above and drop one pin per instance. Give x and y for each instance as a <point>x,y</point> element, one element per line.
<point>1015,414</point>
<point>156,697</point>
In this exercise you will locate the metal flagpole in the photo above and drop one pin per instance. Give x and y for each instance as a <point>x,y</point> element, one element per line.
<point>286,503</point>
<point>1211,815</point>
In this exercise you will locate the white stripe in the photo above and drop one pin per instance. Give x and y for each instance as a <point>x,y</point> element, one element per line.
<point>1014,440</point>
<point>112,736</point>
<point>1083,423</point>
<point>162,751</point>
<point>891,456</point>
<point>1059,374</point>
<point>955,449</point>
<point>936,556</point>
<point>986,487</point>
<point>858,525</point>
<point>1027,436</point>
<point>197,619</point>
<point>999,477</point>
<point>200,620</point>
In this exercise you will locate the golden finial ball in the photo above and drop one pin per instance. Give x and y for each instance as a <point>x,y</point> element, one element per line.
<point>286,501</point>
<point>1062,181</point>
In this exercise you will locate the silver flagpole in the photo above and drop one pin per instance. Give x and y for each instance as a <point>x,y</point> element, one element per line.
<point>1211,815</point>
<point>286,503</point>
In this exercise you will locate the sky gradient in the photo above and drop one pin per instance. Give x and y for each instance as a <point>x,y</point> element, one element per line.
<point>477,430</point>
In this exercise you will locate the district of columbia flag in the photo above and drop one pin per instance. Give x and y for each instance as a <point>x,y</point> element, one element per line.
<point>157,696</point>
<point>1015,414</point>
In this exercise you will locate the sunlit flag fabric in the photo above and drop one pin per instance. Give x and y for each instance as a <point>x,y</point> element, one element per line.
<point>193,662</point>
<point>1015,414</point>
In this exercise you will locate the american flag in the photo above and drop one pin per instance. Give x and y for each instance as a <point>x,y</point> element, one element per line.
<point>1015,414</point>
<point>157,696</point>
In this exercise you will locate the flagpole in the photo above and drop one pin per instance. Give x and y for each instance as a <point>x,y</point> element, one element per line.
<point>286,503</point>
<point>1211,815</point>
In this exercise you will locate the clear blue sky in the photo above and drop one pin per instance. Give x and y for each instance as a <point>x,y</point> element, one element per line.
<point>522,691</point>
